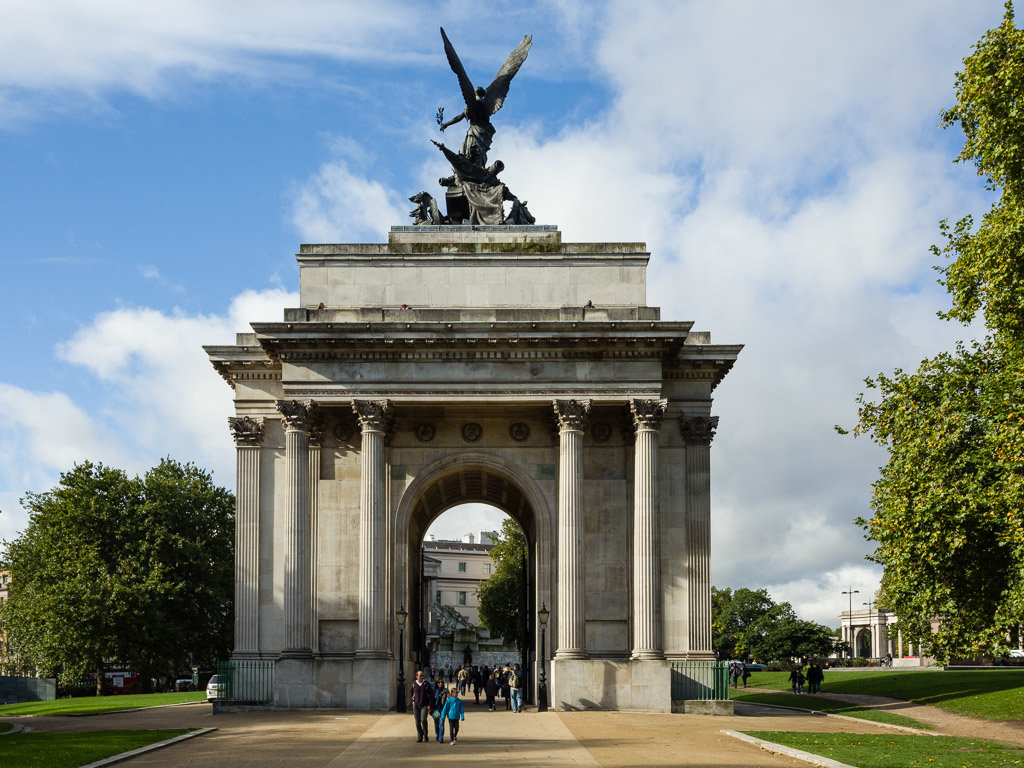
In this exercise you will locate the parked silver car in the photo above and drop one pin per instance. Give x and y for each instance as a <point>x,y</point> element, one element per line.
<point>216,689</point>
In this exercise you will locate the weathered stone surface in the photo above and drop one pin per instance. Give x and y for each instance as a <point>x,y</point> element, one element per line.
<point>496,331</point>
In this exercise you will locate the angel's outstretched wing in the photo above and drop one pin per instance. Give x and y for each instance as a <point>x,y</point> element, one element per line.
<point>498,89</point>
<point>460,72</point>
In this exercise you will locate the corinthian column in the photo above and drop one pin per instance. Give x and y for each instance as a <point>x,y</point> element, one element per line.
<point>299,418</point>
<point>647,416</point>
<point>248,434</point>
<point>572,420</point>
<point>698,432</point>
<point>374,419</point>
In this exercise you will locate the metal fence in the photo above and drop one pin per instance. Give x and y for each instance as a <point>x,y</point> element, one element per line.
<point>703,680</point>
<point>18,689</point>
<point>250,681</point>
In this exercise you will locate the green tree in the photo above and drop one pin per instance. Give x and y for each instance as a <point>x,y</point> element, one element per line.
<point>116,569</point>
<point>748,622</point>
<point>501,596</point>
<point>948,507</point>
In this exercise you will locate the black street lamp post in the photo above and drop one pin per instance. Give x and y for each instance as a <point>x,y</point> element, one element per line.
<point>542,684</point>
<point>400,615</point>
<point>851,593</point>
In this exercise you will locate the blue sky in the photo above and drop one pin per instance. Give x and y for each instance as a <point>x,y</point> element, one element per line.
<point>161,162</point>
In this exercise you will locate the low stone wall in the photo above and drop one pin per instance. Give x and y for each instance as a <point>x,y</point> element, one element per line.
<point>704,707</point>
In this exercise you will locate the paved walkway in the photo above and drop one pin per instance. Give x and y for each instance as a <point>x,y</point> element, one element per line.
<point>319,739</point>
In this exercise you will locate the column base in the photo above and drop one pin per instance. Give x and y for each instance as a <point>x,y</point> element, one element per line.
<point>647,654</point>
<point>571,653</point>
<point>369,653</point>
<point>296,653</point>
<point>700,656</point>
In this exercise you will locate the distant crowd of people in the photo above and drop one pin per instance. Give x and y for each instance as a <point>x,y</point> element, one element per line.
<point>432,697</point>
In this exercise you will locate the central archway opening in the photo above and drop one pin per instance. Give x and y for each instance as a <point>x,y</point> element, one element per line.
<point>472,541</point>
<point>474,600</point>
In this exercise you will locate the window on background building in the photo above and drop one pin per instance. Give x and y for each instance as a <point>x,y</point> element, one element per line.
<point>487,568</point>
<point>462,598</point>
<point>462,567</point>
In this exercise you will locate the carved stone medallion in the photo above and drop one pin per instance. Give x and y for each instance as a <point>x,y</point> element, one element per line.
<point>425,432</point>
<point>519,431</point>
<point>472,432</point>
<point>601,432</point>
<point>343,431</point>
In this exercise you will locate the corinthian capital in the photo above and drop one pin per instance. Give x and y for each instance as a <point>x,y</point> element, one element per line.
<point>647,413</point>
<point>698,430</point>
<point>300,415</point>
<point>571,414</point>
<point>374,415</point>
<point>246,430</point>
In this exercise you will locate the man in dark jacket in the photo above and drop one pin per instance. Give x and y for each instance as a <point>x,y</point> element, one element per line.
<point>421,694</point>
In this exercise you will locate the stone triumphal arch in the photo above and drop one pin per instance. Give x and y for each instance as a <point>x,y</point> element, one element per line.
<point>473,363</point>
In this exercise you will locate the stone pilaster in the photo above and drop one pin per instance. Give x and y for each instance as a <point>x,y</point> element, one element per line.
<point>572,418</point>
<point>647,416</point>
<point>698,431</point>
<point>299,418</point>
<point>374,419</point>
<point>248,434</point>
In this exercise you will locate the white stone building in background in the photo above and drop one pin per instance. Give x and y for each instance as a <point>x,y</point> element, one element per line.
<point>452,573</point>
<point>869,632</point>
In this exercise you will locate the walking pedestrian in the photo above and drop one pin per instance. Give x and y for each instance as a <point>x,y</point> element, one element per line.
<point>440,697</point>
<point>796,679</point>
<point>421,694</point>
<point>491,690</point>
<point>515,681</point>
<point>506,687</point>
<point>745,674</point>
<point>453,712</point>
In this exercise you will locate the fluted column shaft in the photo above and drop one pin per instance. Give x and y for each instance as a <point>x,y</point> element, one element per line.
<point>248,433</point>
<point>315,441</point>
<point>698,432</point>
<point>374,420</point>
<point>647,415</point>
<point>572,419</point>
<point>299,418</point>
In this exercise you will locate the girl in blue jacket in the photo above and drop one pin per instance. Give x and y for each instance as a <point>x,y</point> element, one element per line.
<point>453,713</point>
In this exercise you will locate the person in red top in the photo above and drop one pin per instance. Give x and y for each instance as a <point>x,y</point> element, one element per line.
<point>421,694</point>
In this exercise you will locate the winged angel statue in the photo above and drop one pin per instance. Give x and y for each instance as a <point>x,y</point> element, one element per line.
<point>474,193</point>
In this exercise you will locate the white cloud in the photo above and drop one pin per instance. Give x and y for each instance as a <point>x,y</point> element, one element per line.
<point>101,44</point>
<point>337,205</point>
<point>159,397</point>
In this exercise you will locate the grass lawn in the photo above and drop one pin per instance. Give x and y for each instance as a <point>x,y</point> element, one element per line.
<point>68,750</point>
<point>888,751</point>
<point>995,695</point>
<point>96,704</point>
<point>824,704</point>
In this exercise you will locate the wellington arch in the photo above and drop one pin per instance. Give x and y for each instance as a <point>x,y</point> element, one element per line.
<point>473,363</point>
